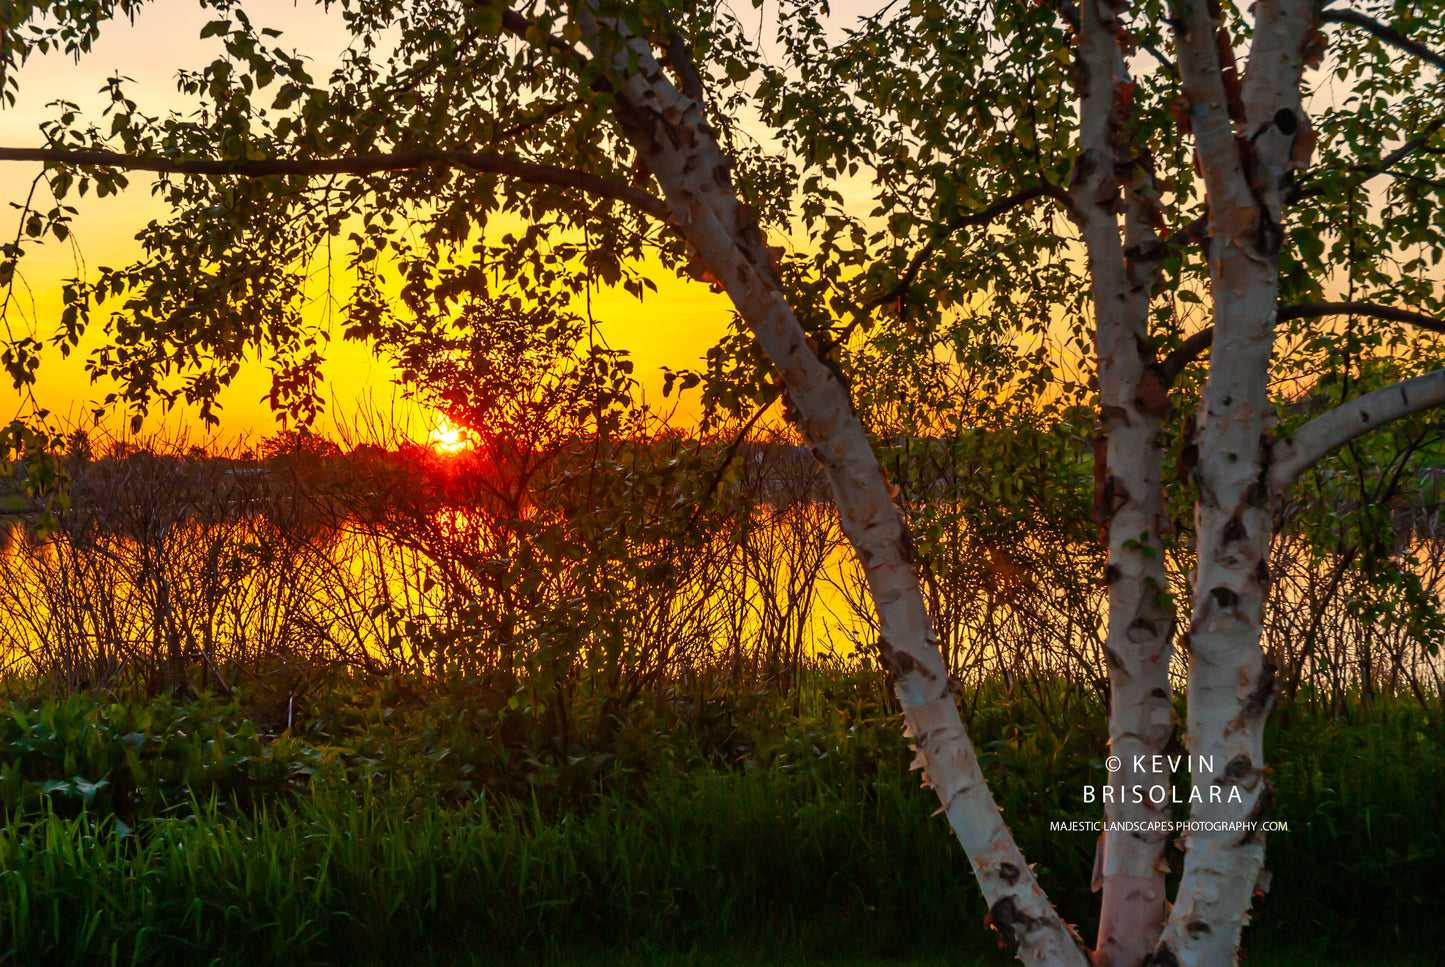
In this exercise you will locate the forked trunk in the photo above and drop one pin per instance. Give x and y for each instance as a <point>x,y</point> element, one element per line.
<point>1231,681</point>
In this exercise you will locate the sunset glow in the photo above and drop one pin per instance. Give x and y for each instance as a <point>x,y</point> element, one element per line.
<point>446,437</point>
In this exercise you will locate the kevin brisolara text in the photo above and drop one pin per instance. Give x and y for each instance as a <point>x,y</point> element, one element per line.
<point>1159,794</point>
<point>1168,826</point>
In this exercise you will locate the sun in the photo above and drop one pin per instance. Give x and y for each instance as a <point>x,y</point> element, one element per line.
<point>447,437</point>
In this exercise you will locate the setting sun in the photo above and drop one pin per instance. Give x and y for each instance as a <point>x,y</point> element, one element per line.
<point>447,437</point>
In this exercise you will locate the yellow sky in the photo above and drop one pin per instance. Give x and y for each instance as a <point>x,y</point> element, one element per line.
<point>673,327</point>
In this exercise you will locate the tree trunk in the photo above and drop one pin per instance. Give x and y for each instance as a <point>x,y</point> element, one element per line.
<point>1128,494</point>
<point>1231,681</point>
<point>669,131</point>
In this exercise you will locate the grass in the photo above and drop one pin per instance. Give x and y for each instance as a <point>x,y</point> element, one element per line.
<point>340,877</point>
<point>699,829</point>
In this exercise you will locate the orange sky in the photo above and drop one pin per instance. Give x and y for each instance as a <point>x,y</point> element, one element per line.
<point>674,327</point>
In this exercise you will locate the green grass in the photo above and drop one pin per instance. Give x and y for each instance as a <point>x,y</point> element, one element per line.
<point>698,829</point>
<point>342,877</point>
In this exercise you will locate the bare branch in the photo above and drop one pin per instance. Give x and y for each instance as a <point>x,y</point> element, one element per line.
<point>1165,62</point>
<point>1314,440</point>
<point>1196,344</point>
<point>525,171</point>
<point>1385,32</point>
<point>1383,166</point>
<point>1316,310</point>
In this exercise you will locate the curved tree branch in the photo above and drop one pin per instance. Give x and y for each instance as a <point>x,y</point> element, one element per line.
<point>958,223</point>
<point>1339,426</point>
<point>1385,32</point>
<point>1193,348</point>
<point>1316,310</point>
<point>861,310</point>
<point>526,171</point>
<point>520,27</point>
<point>1196,344</point>
<point>1381,167</point>
<point>679,58</point>
<point>1404,150</point>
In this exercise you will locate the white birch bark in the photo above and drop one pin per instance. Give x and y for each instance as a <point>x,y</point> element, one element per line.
<point>1231,682</point>
<point>669,130</point>
<point>1313,441</point>
<point>1130,866</point>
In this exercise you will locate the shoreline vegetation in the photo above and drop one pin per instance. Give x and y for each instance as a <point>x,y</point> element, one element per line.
<point>169,563</point>
<point>410,821</point>
<point>610,704</point>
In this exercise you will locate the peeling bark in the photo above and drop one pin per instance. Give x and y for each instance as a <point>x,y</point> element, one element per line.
<point>1231,682</point>
<point>670,132</point>
<point>1249,133</point>
<point>1130,866</point>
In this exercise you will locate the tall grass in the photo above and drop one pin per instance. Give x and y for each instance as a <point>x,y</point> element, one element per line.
<point>395,830</point>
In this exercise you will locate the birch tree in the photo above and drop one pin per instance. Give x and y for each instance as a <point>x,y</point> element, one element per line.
<point>999,139</point>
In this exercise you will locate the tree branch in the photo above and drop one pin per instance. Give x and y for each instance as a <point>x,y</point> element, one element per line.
<point>1404,150</point>
<point>1196,344</point>
<point>1193,348</point>
<point>1339,426</point>
<point>1432,183</point>
<point>1191,233</point>
<point>861,310</point>
<point>679,58</point>
<point>1385,32</point>
<point>730,454</point>
<point>525,171</point>
<point>958,223</point>
<point>1383,166</point>
<point>519,26</point>
<point>522,127</point>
